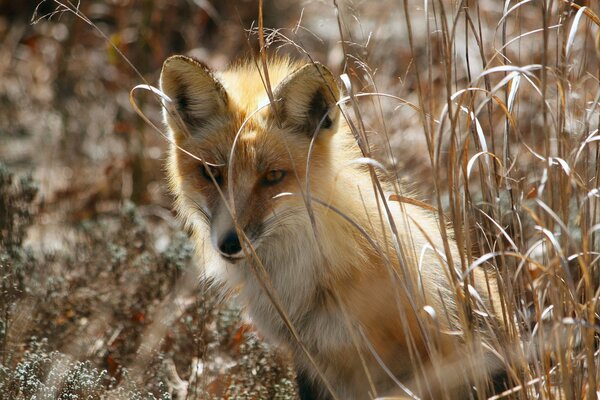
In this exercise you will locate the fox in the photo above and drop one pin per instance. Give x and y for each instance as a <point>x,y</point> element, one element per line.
<point>363,290</point>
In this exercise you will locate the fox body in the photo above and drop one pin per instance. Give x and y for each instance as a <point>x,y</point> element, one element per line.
<point>276,184</point>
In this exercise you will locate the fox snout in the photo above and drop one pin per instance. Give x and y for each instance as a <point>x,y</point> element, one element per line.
<point>226,241</point>
<point>225,237</point>
<point>229,245</point>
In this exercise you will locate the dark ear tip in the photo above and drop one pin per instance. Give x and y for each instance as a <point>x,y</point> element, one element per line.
<point>180,61</point>
<point>179,68</point>
<point>176,60</point>
<point>328,75</point>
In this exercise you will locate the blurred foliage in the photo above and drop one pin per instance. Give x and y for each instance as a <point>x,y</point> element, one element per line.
<point>96,302</point>
<point>16,262</point>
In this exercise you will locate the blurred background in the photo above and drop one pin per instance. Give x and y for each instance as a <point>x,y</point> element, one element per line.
<point>95,269</point>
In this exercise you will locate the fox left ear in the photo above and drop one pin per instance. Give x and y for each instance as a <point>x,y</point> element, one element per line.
<point>196,95</point>
<point>306,100</point>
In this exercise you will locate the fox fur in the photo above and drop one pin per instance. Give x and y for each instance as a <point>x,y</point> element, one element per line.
<point>374,310</point>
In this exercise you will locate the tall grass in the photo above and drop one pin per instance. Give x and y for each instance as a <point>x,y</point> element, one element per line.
<point>513,155</point>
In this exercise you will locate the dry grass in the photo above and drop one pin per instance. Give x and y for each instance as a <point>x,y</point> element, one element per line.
<point>488,109</point>
<point>512,162</point>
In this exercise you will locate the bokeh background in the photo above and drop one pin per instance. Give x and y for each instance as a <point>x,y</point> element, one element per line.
<point>100,292</point>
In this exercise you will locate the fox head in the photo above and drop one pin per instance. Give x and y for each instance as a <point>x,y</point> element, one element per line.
<point>234,151</point>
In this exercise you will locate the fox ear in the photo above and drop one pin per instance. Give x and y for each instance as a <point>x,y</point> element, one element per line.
<point>196,95</point>
<point>306,100</point>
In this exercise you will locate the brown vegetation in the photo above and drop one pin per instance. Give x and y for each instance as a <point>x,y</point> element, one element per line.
<point>488,110</point>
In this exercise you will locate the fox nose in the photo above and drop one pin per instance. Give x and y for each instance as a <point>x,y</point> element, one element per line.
<point>230,244</point>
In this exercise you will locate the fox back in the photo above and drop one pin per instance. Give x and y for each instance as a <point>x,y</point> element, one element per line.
<point>272,181</point>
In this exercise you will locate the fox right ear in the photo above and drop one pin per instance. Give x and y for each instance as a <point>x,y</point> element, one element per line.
<point>196,95</point>
<point>307,98</point>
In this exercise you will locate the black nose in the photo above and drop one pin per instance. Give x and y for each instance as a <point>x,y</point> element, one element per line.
<point>230,243</point>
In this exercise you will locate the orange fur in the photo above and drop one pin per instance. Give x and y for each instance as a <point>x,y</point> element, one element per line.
<point>347,294</point>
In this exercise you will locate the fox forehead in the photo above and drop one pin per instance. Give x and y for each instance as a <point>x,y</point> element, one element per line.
<point>246,85</point>
<point>258,148</point>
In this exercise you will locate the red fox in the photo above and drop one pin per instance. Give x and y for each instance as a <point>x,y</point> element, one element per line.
<point>274,181</point>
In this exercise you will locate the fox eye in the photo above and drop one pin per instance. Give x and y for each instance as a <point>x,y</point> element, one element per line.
<point>273,177</point>
<point>216,173</point>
